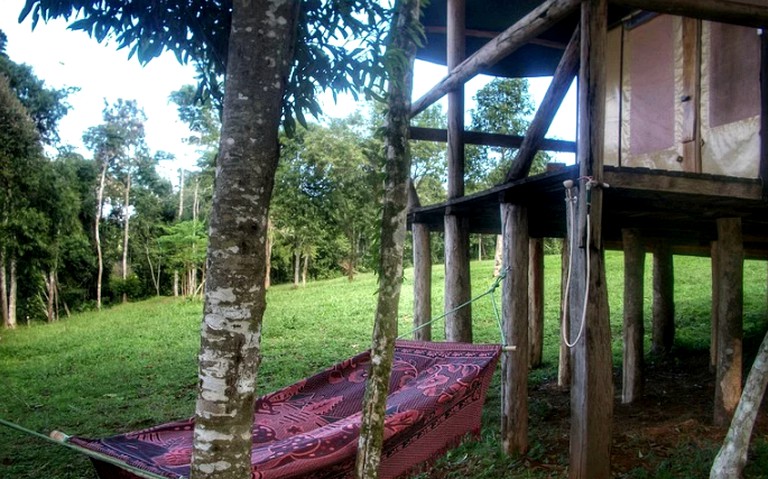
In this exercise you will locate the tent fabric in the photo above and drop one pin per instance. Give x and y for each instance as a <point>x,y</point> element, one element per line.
<point>310,429</point>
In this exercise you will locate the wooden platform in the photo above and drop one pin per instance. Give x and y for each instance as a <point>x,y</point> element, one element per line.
<point>679,207</point>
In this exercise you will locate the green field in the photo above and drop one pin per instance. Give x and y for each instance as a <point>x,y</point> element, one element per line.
<point>134,365</point>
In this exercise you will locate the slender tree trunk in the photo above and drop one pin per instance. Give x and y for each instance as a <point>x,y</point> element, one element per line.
<point>304,269</point>
<point>126,229</point>
<point>296,268</point>
<point>259,59</point>
<point>352,255</point>
<point>12,288</point>
<point>176,283</point>
<point>730,461</point>
<point>155,279</point>
<point>196,201</point>
<point>181,193</point>
<point>398,167</point>
<point>50,284</point>
<point>4,289</point>
<point>479,247</point>
<point>97,223</point>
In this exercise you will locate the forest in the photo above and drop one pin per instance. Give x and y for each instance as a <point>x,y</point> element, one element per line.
<point>79,232</point>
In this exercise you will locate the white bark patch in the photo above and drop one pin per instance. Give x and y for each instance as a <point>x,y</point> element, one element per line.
<point>233,249</point>
<point>240,96</point>
<point>230,141</point>
<point>208,436</point>
<point>214,466</point>
<point>222,295</point>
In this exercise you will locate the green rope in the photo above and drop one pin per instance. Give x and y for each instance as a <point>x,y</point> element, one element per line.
<point>96,455</point>
<point>490,291</point>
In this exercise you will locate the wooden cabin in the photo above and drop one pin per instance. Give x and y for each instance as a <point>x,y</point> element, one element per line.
<point>670,159</point>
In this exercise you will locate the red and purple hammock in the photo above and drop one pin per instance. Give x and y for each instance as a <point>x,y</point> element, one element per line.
<point>310,429</point>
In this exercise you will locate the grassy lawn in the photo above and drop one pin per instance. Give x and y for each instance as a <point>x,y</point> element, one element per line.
<point>134,365</point>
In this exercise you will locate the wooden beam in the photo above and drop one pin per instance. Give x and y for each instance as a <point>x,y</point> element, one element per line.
<point>489,34</point>
<point>638,179</point>
<point>561,81</point>
<point>663,334</point>
<point>592,381</point>
<point>715,308</point>
<point>458,325</point>
<point>514,314</point>
<point>730,258</point>
<point>536,300</point>
<point>530,26</point>
<point>764,112</point>
<point>490,139</point>
<point>691,95</point>
<point>634,332</point>
<point>422,274</point>
<point>723,11</point>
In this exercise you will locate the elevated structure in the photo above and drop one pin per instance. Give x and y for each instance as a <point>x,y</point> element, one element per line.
<point>670,159</point>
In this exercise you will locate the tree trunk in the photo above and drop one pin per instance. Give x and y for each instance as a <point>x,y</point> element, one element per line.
<point>181,193</point>
<point>97,222</point>
<point>352,255</point>
<point>268,274</point>
<point>259,59</point>
<point>304,269</point>
<point>12,293</point>
<point>50,286</point>
<point>126,219</point>
<point>176,283</point>
<point>406,19</point>
<point>296,268</point>
<point>4,290</point>
<point>732,457</point>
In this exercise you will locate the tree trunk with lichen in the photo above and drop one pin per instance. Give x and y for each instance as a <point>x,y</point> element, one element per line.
<point>259,59</point>
<point>732,458</point>
<point>401,52</point>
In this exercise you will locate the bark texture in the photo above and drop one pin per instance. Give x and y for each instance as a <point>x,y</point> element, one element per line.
<point>732,458</point>
<point>259,59</point>
<point>663,335</point>
<point>402,42</point>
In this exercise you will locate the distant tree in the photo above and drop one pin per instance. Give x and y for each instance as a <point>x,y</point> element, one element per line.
<point>428,158</point>
<point>46,106</point>
<point>21,164</point>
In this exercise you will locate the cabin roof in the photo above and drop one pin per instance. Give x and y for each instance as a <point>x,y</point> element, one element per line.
<point>486,18</point>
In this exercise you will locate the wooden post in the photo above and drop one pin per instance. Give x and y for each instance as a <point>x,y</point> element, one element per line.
<point>458,325</point>
<point>514,310</point>
<point>422,274</point>
<point>634,271</point>
<point>592,385</point>
<point>763,172</point>
<point>663,335</point>
<point>536,300</point>
<point>564,360</point>
<point>715,305</point>
<point>730,257</point>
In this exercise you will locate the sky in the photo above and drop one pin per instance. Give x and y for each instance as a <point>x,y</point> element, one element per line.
<point>64,58</point>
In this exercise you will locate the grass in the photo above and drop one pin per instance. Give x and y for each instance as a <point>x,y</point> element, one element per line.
<point>134,365</point>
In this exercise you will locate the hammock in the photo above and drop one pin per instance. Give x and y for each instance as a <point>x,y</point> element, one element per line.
<point>310,429</point>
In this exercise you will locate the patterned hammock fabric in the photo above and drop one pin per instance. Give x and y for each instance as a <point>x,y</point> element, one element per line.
<point>310,429</point>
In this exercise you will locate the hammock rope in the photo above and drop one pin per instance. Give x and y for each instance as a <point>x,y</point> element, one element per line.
<point>61,439</point>
<point>490,292</point>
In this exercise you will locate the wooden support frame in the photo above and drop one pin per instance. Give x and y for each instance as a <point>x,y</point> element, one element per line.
<point>536,300</point>
<point>561,81</point>
<point>514,314</point>
<point>564,357</point>
<point>530,26</point>
<point>592,382</point>
<point>490,139</point>
<point>763,171</point>
<point>663,334</point>
<point>714,311</point>
<point>723,11</point>
<point>730,258</point>
<point>634,331</point>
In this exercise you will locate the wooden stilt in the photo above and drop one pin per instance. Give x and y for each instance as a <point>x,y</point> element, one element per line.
<point>458,325</point>
<point>514,366</point>
<point>536,300</point>
<point>592,385</point>
<point>422,274</point>
<point>564,360</point>
<point>715,305</point>
<point>730,258</point>
<point>663,336</point>
<point>634,269</point>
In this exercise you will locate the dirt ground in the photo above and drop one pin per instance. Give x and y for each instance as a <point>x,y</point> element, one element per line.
<point>673,416</point>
